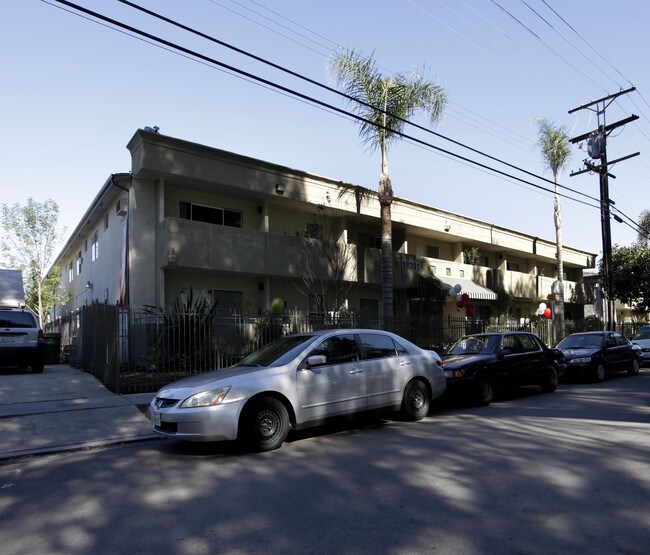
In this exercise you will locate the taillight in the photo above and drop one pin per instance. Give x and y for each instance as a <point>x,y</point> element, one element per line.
<point>40,334</point>
<point>439,363</point>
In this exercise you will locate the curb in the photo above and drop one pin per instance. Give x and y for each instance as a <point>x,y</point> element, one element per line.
<point>14,456</point>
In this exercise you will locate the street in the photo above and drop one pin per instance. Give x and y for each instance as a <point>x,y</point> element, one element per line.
<point>567,472</point>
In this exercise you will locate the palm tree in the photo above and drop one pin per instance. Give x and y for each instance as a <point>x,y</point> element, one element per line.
<point>554,144</point>
<point>384,105</point>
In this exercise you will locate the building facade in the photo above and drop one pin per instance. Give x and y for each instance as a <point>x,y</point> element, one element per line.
<point>232,228</point>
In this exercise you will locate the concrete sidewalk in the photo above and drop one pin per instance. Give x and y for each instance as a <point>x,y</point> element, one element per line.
<point>65,409</point>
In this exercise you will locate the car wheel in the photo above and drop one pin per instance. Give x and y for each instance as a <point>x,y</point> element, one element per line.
<point>485,392</point>
<point>549,385</point>
<point>416,401</point>
<point>265,425</point>
<point>37,367</point>
<point>634,371</point>
<point>599,373</point>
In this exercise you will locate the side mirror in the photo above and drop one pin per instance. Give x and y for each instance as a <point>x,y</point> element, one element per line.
<point>317,360</point>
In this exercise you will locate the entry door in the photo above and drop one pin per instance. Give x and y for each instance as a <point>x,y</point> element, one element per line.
<point>335,388</point>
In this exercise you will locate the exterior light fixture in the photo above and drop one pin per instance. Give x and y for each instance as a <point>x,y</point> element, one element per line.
<point>89,285</point>
<point>171,257</point>
<point>280,188</point>
<point>447,227</point>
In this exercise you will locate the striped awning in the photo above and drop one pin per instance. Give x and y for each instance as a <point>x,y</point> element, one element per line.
<point>475,291</point>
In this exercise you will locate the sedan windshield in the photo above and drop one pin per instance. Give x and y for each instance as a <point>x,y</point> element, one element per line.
<point>643,334</point>
<point>580,341</point>
<point>278,352</point>
<point>474,345</point>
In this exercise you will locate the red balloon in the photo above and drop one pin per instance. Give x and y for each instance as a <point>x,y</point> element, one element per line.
<point>460,304</point>
<point>465,297</point>
<point>547,313</point>
<point>470,312</point>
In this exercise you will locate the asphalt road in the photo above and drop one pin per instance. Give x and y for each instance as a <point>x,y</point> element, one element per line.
<point>567,472</point>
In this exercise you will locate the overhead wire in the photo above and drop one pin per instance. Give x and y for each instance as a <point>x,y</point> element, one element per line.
<point>312,101</point>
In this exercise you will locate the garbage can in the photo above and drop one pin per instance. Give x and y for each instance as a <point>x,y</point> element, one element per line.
<point>52,347</point>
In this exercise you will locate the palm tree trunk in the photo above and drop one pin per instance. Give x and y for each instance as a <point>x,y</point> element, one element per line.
<point>385,201</point>
<point>559,310</point>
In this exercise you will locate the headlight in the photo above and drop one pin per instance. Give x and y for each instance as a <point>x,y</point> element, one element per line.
<point>584,360</point>
<point>206,398</point>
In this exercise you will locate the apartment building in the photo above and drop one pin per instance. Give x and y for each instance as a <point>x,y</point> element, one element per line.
<point>228,226</point>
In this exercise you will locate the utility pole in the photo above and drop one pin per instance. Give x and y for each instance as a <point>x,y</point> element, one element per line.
<point>597,150</point>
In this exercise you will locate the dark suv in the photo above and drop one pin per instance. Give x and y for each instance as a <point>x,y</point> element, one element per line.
<point>477,364</point>
<point>21,339</point>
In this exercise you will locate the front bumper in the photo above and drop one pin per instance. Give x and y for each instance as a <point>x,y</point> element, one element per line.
<point>201,424</point>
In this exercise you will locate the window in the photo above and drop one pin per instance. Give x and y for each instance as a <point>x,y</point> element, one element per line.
<point>94,247</point>
<point>314,231</point>
<point>528,343</point>
<point>483,261</point>
<point>79,262</point>
<point>338,350</point>
<point>227,301</point>
<point>106,221</point>
<point>432,252</point>
<point>70,273</point>
<point>210,214</point>
<point>369,308</point>
<point>512,266</point>
<point>378,346</point>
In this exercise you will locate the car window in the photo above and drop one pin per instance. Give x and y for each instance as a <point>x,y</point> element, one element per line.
<point>510,342</point>
<point>377,345</point>
<point>529,343</point>
<point>610,341</point>
<point>338,349</point>
<point>643,333</point>
<point>17,319</point>
<point>621,340</point>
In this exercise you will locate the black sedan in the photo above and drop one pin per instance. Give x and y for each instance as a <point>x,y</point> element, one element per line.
<point>477,364</point>
<point>595,354</point>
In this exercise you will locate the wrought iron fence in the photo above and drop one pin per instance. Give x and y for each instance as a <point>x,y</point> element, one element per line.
<point>135,352</point>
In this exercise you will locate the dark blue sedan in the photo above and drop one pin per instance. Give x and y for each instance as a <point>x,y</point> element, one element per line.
<point>595,354</point>
<point>477,364</point>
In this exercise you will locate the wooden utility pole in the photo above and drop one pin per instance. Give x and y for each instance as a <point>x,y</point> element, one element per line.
<point>597,150</point>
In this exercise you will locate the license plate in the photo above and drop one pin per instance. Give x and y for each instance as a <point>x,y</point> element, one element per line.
<point>155,418</point>
<point>6,339</point>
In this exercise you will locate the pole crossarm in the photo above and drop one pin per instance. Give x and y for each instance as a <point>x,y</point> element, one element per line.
<point>610,97</point>
<point>607,129</point>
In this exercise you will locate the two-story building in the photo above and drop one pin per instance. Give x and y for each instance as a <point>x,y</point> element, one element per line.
<point>192,216</point>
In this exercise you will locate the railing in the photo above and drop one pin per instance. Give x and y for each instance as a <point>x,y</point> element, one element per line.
<point>135,352</point>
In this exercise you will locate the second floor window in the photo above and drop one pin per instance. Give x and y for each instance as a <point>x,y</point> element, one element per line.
<point>512,266</point>
<point>79,261</point>
<point>94,247</point>
<point>70,273</point>
<point>210,214</point>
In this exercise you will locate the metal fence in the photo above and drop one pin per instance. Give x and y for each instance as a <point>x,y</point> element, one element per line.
<point>134,352</point>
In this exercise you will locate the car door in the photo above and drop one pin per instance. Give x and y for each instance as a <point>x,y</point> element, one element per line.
<point>614,354</point>
<point>387,366</point>
<point>533,360</point>
<point>624,351</point>
<point>508,369</point>
<point>335,388</point>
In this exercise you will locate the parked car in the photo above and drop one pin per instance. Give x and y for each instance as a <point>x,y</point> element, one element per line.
<point>595,354</point>
<point>477,364</point>
<point>21,339</point>
<point>299,381</point>
<point>642,339</point>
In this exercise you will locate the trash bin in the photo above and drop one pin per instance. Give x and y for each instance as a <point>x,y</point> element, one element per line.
<point>52,347</point>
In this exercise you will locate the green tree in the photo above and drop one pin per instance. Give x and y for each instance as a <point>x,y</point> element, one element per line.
<point>644,228</point>
<point>554,145</point>
<point>631,275</point>
<point>385,104</point>
<point>30,234</point>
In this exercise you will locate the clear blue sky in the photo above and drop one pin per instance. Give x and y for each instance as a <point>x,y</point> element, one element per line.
<point>74,92</point>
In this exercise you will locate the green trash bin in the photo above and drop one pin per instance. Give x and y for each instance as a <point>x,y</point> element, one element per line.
<point>52,347</point>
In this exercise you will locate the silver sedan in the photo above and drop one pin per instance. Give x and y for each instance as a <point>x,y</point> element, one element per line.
<point>300,381</point>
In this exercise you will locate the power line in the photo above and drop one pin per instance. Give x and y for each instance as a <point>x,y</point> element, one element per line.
<point>303,97</point>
